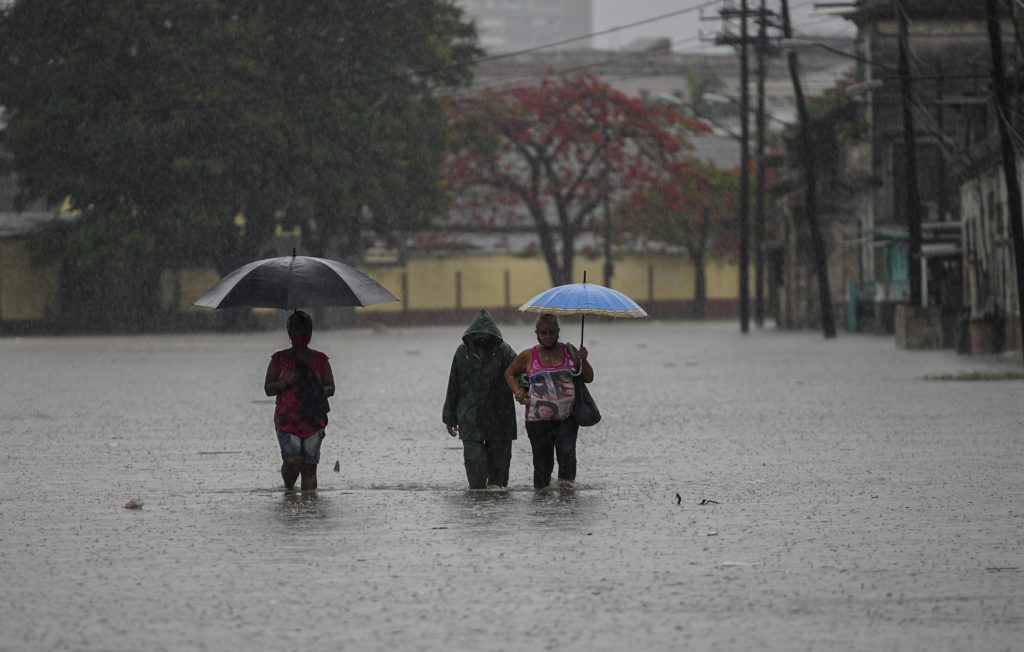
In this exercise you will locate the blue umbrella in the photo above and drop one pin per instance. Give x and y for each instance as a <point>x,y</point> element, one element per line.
<point>584,299</point>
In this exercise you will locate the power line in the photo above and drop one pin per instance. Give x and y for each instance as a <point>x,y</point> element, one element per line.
<point>617,28</point>
<point>638,56</point>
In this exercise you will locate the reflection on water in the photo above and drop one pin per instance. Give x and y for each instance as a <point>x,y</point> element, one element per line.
<point>303,509</point>
<point>521,506</point>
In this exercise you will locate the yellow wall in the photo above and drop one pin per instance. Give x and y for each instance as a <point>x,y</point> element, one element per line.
<point>26,292</point>
<point>431,281</point>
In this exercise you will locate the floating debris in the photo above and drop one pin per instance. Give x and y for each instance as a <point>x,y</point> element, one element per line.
<point>712,534</point>
<point>679,499</point>
<point>705,501</point>
<point>135,503</point>
<point>337,466</point>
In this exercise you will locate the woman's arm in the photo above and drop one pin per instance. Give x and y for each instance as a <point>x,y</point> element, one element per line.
<point>328,379</point>
<point>581,355</point>
<point>272,386</point>
<point>519,366</point>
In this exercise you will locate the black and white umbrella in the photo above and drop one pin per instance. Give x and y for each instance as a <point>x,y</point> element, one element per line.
<point>293,282</point>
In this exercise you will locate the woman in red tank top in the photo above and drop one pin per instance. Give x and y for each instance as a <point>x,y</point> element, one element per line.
<point>302,380</point>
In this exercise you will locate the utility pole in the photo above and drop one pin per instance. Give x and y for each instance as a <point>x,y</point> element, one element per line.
<point>744,210</point>
<point>762,53</point>
<point>1013,195</point>
<point>912,194</point>
<point>744,180</point>
<point>828,322</point>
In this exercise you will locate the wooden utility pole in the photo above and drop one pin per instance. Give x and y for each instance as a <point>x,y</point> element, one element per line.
<point>762,54</point>
<point>1013,195</point>
<point>828,322</point>
<point>744,174</point>
<point>743,42</point>
<point>912,194</point>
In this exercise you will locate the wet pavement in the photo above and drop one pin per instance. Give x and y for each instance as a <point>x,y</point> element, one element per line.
<point>859,506</point>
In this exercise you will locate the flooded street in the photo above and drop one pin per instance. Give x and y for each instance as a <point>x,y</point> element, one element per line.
<point>859,506</point>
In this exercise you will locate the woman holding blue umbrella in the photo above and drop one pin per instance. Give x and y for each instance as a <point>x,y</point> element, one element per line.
<point>550,367</point>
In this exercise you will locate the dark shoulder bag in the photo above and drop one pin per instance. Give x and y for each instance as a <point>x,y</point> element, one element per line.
<point>313,404</point>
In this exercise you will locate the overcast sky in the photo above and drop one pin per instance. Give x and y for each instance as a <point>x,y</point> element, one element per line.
<point>684,29</point>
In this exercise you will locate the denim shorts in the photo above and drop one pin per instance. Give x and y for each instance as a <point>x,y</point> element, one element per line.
<point>293,446</point>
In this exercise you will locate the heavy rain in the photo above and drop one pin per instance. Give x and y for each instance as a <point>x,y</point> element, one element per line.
<point>783,239</point>
<point>858,504</point>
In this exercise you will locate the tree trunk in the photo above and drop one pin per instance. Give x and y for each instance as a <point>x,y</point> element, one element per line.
<point>568,258</point>
<point>547,244</point>
<point>568,236</point>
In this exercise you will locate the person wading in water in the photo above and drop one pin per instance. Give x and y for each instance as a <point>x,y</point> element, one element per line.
<point>302,380</point>
<point>550,365</point>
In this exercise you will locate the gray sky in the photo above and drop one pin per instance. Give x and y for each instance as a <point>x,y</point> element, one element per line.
<point>683,29</point>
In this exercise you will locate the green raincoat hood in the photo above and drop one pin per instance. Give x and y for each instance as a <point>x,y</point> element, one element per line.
<point>483,323</point>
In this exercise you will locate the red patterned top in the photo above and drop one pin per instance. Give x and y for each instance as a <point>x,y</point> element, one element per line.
<point>287,417</point>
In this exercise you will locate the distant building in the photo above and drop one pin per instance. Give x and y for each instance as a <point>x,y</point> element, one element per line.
<point>649,70</point>
<point>512,25</point>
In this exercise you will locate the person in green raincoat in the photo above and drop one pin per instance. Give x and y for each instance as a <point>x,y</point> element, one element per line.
<point>479,407</point>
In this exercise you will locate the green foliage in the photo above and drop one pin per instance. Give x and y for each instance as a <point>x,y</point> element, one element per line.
<point>163,120</point>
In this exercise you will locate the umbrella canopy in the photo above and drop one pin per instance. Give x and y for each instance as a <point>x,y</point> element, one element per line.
<point>293,282</point>
<point>584,299</point>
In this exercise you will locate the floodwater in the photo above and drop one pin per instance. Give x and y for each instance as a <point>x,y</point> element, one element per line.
<point>859,506</point>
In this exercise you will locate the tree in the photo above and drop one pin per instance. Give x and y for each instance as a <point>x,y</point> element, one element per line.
<point>164,120</point>
<point>556,151</point>
<point>693,204</point>
<point>702,83</point>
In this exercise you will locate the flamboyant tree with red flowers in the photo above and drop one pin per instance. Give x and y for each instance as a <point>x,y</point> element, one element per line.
<point>556,151</point>
<point>693,204</point>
